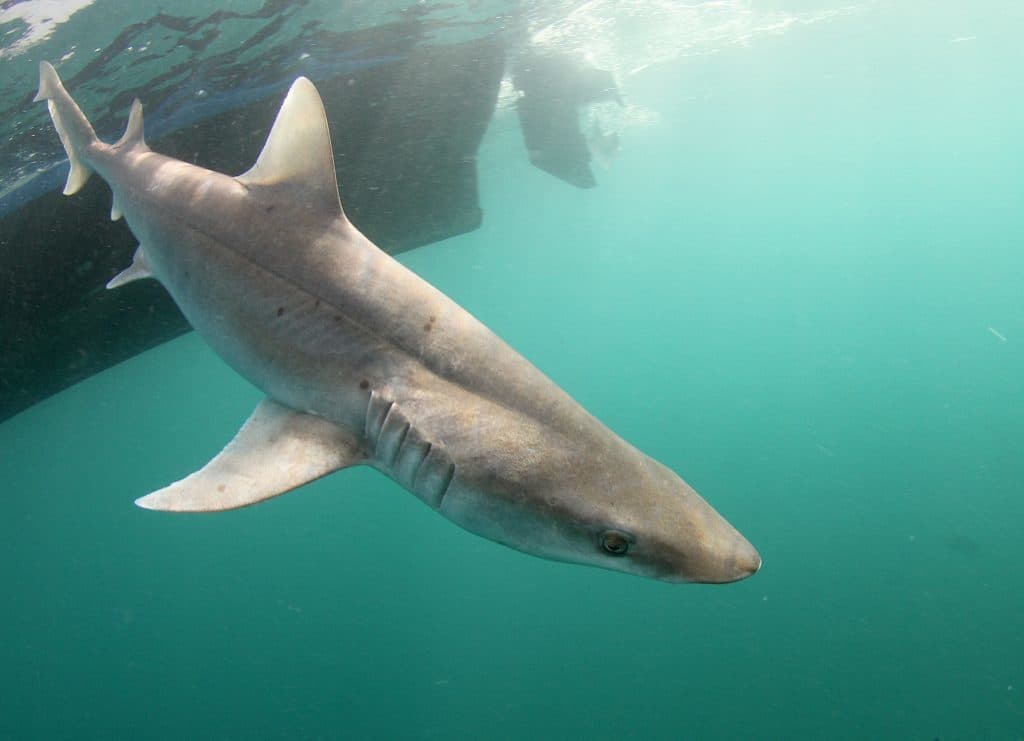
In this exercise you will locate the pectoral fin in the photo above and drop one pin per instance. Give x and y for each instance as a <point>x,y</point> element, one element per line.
<point>276,450</point>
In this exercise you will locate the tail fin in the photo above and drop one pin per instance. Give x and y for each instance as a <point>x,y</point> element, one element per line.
<point>74,129</point>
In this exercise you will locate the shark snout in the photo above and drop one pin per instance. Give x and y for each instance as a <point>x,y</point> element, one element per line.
<point>689,540</point>
<point>746,561</point>
<point>738,561</point>
<point>722,556</point>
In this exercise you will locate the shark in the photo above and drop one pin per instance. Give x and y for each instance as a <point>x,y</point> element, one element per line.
<point>362,362</point>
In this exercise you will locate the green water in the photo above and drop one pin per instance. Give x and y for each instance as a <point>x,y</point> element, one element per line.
<point>800,287</point>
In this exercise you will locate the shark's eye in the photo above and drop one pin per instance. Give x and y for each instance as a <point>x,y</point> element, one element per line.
<point>614,543</point>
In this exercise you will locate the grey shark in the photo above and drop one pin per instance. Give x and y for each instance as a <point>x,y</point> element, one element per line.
<point>364,363</point>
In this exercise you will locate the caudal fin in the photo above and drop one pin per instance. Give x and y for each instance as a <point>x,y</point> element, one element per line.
<point>74,129</point>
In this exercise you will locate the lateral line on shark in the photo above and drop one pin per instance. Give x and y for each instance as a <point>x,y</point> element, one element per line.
<point>339,312</point>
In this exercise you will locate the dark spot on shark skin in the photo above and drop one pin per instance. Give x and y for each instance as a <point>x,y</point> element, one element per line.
<point>316,304</point>
<point>430,324</point>
<point>221,488</point>
<point>269,209</point>
<point>364,384</point>
<point>280,310</point>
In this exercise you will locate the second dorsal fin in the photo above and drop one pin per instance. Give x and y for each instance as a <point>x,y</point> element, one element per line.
<point>134,134</point>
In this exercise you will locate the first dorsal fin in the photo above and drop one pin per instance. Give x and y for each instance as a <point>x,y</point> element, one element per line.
<point>298,154</point>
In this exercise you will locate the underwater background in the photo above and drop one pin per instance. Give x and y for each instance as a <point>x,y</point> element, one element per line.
<point>798,283</point>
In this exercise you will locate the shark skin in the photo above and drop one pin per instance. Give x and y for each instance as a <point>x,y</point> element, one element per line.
<point>364,363</point>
